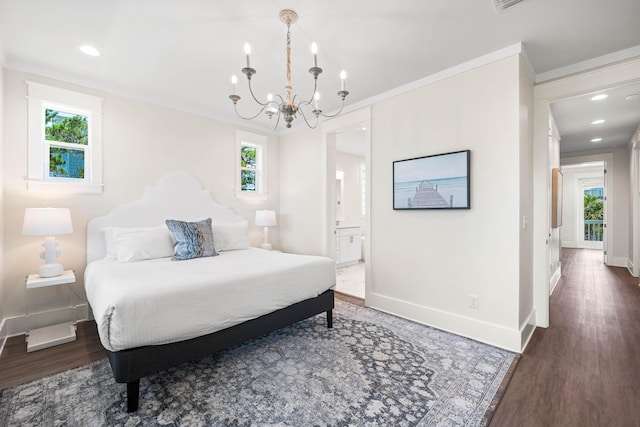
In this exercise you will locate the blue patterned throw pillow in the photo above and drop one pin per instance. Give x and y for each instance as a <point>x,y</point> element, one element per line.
<point>193,239</point>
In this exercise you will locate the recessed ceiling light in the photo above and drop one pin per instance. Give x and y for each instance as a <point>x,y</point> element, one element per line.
<point>90,50</point>
<point>599,97</point>
<point>596,140</point>
<point>597,122</point>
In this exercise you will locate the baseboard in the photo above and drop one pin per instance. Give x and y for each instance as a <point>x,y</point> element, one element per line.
<point>489,333</point>
<point>3,335</point>
<point>630,267</point>
<point>617,261</point>
<point>527,330</point>
<point>555,278</point>
<point>19,325</point>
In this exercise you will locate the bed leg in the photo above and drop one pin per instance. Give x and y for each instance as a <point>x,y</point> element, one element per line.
<point>133,392</point>
<point>330,319</point>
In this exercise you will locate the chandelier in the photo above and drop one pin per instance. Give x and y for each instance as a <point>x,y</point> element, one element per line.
<point>290,106</point>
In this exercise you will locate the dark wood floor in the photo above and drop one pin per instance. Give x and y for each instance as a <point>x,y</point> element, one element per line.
<point>17,366</point>
<point>584,370</point>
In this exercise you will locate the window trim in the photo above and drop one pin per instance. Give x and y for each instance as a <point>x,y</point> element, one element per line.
<point>41,97</point>
<point>363,189</point>
<point>260,143</point>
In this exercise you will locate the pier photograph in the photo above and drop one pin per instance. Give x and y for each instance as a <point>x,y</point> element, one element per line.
<point>432,182</point>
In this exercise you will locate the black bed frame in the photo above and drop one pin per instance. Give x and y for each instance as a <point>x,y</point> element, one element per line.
<point>130,365</point>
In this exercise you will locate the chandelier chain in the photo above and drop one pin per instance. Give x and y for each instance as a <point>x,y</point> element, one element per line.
<point>289,87</point>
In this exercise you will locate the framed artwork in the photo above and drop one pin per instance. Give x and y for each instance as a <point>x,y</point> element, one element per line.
<point>556,198</point>
<point>439,181</point>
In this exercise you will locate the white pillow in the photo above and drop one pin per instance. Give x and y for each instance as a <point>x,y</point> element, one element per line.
<point>231,236</point>
<point>110,244</point>
<point>141,243</point>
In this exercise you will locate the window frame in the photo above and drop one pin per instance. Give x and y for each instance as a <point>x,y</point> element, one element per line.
<point>259,142</point>
<point>42,97</point>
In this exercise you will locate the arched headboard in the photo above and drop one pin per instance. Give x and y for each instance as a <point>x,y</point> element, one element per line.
<point>178,195</point>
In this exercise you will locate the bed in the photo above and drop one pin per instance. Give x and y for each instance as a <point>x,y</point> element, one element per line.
<point>154,312</point>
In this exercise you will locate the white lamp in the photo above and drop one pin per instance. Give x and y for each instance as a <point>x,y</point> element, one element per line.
<point>266,218</point>
<point>48,222</point>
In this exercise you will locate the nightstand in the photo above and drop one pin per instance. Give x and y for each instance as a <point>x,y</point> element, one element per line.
<point>49,336</point>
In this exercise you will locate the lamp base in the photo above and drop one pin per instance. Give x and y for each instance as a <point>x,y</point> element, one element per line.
<point>50,270</point>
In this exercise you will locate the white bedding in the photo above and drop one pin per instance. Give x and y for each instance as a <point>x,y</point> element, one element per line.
<point>161,301</point>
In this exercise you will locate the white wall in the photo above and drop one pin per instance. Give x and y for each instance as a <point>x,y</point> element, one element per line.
<point>142,143</point>
<point>633,263</point>
<point>2,333</point>
<point>352,202</point>
<point>302,186</point>
<point>527,312</point>
<point>618,206</point>
<point>426,264</point>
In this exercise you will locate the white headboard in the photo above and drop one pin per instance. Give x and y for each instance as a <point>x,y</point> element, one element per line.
<point>178,195</point>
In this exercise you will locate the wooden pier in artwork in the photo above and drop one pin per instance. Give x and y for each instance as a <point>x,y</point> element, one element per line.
<point>427,196</point>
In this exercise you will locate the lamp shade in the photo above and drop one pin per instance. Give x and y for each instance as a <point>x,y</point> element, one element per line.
<point>47,221</point>
<point>266,218</point>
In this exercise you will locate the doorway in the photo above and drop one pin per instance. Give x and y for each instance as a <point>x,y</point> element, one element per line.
<point>546,94</point>
<point>591,213</point>
<point>585,206</point>
<point>350,211</point>
<point>347,146</point>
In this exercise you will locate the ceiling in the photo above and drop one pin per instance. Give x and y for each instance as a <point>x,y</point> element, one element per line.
<point>620,110</point>
<point>181,54</point>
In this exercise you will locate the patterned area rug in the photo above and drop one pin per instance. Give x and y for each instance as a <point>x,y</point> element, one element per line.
<point>372,369</point>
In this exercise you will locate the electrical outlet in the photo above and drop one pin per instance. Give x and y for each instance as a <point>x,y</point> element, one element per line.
<point>474,301</point>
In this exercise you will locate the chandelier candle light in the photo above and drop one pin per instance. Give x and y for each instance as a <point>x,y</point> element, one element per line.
<point>288,107</point>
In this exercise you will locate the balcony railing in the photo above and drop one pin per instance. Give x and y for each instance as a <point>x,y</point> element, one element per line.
<point>593,230</point>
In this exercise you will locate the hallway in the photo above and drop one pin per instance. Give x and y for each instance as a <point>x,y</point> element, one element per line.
<point>584,370</point>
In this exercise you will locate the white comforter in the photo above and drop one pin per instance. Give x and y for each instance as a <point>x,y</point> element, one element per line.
<point>161,301</point>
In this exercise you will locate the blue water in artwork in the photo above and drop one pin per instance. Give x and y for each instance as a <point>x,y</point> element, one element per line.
<point>403,191</point>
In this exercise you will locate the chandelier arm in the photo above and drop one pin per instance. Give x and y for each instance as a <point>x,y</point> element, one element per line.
<point>235,107</point>
<point>334,115</point>
<point>307,121</point>
<point>277,120</point>
<point>303,102</point>
<point>293,101</point>
<point>254,97</point>
<point>313,94</point>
